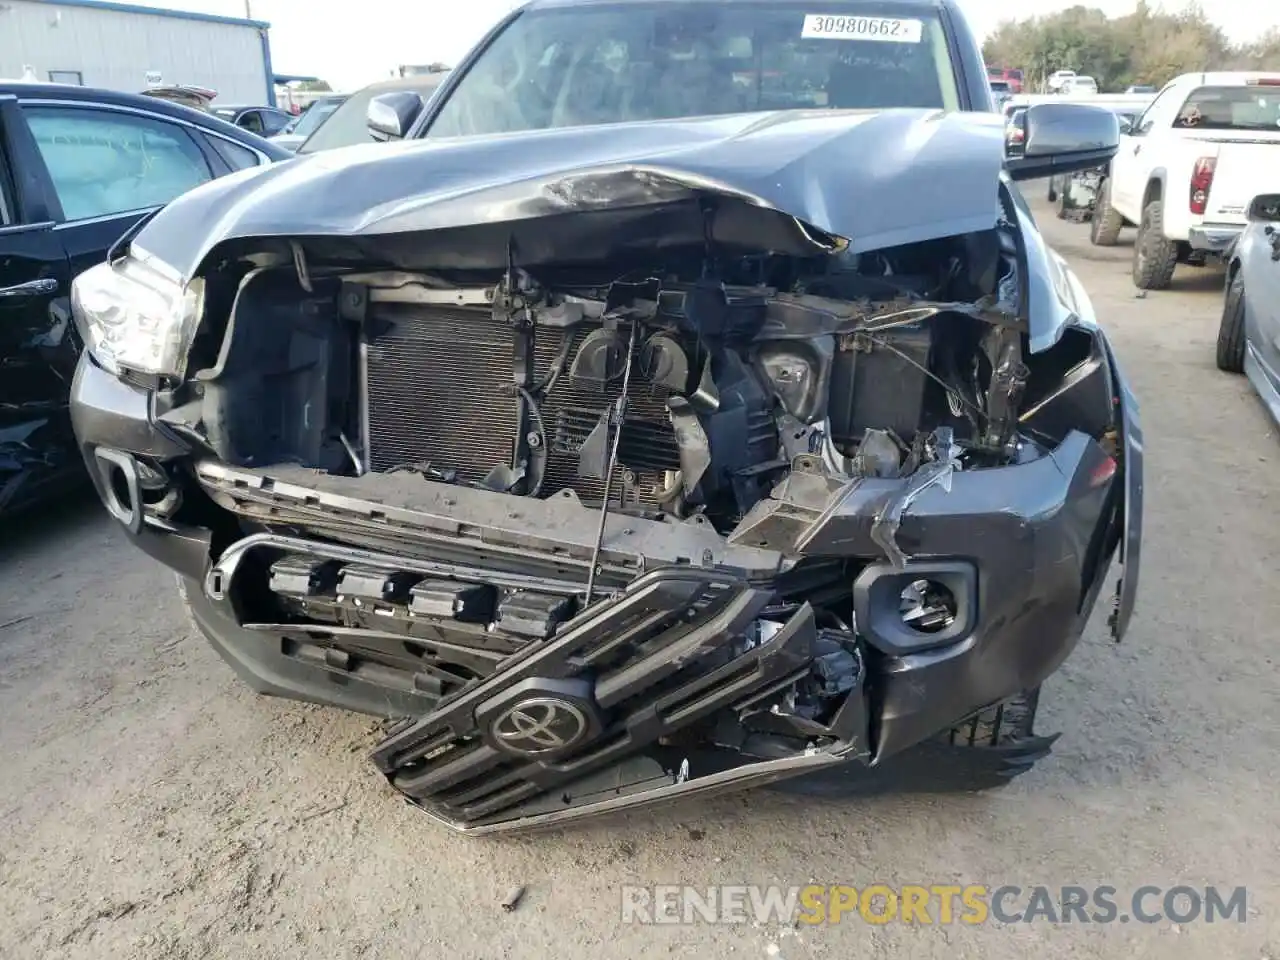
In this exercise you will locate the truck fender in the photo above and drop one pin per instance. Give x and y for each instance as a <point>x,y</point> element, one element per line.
<point>1155,187</point>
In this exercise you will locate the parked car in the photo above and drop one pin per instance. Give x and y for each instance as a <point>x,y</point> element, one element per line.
<point>1015,130</point>
<point>627,437</point>
<point>1000,93</point>
<point>187,95</point>
<point>1185,175</point>
<point>264,121</point>
<point>306,123</point>
<point>1249,334</point>
<point>1058,79</point>
<point>79,168</point>
<point>1077,85</point>
<point>347,125</point>
<point>1013,77</point>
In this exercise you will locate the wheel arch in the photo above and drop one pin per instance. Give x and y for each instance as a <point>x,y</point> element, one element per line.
<point>1155,188</point>
<point>1233,267</point>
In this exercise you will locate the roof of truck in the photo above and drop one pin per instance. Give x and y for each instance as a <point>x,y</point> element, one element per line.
<point>1228,78</point>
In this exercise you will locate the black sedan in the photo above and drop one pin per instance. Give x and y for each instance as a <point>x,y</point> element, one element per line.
<point>79,168</point>
<point>264,121</point>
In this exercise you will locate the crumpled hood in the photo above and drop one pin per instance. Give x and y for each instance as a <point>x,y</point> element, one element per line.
<point>877,179</point>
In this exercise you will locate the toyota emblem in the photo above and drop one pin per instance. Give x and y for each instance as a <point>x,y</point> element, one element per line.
<point>540,725</point>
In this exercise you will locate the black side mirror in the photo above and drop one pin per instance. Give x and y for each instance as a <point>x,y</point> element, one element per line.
<point>1265,208</point>
<point>391,115</point>
<point>1052,138</point>
<point>1126,126</point>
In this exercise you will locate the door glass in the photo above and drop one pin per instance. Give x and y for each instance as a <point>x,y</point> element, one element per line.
<point>6,215</point>
<point>274,122</point>
<point>251,121</point>
<point>237,157</point>
<point>1237,108</point>
<point>1158,109</point>
<point>105,163</point>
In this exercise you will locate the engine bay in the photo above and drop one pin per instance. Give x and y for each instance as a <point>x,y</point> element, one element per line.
<point>674,384</point>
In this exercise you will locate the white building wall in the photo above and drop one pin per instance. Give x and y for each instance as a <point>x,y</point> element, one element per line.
<point>117,49</point>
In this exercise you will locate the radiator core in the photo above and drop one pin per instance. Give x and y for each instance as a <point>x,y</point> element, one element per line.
<point>440,383</point>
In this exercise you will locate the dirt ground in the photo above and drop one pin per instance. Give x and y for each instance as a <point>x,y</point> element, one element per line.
<point>152,807</point>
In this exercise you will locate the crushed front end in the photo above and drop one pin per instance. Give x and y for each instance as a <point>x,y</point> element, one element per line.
<point>637,510</point>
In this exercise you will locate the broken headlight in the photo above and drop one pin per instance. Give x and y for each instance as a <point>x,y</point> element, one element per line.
<point>134,318</point>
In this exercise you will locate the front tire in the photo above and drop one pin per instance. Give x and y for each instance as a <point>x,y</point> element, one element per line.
<point>982,753</point>
<point>1007,722</point>
<point>1104,229</point>
<point>1154,254</point>
<point>1231,335</point>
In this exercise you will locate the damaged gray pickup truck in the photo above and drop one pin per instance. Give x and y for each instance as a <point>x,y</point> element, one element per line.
<point>697,405</point>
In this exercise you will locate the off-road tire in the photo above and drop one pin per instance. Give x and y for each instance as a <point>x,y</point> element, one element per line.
<point>1231,342</point>
<point>1154,255</point>
<point>1104,229</point>
<point>984,752</point>
<point>1006,722</point>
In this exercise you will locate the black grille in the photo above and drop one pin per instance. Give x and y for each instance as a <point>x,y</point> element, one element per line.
<point>439,393</point>
<point>656,660</point>
<point>436,377</point>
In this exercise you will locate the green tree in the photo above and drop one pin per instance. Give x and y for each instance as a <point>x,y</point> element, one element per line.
<point>1147,46</point>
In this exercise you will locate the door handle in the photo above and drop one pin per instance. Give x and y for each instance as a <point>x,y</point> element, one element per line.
<point>32,288</point>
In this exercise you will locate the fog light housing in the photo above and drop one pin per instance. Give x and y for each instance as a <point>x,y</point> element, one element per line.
<point>929,604</point>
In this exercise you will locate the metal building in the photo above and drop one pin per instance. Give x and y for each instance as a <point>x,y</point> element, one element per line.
<point>123,46</point>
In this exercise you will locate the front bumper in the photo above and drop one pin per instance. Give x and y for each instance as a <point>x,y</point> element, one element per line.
<point>1024,547</point>
<point>1214,237</point>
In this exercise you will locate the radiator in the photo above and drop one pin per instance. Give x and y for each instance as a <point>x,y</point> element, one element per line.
<point>435,381</point>
<point>439,393</point>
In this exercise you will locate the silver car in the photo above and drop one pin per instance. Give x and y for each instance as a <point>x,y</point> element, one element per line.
<point>1249,337</point>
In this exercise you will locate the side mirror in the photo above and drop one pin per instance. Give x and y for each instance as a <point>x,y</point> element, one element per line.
<point>390,115</point>
<point>1051,138</point>
<point>1126,126</point>
<point>1265,208</point>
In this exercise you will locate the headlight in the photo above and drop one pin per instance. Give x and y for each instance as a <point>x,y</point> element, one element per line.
<point>134,318</point>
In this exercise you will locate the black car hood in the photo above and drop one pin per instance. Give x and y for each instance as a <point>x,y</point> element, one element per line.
<point>875,179</point>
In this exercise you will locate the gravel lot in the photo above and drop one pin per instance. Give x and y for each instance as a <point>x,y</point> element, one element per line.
<point>153,807</point>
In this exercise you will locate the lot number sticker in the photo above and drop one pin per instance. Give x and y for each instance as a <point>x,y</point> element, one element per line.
<point>888,29</point>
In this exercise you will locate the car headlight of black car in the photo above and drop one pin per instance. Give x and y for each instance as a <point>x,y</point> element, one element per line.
<point>136,318</point>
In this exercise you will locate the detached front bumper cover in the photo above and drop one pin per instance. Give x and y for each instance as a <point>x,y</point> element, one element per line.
<point>551,734</point>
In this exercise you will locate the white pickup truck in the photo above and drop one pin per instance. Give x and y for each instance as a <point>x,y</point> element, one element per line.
<point>1187,170</point>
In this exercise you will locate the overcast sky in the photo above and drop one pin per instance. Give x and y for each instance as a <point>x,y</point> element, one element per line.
<point>311,37</point>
